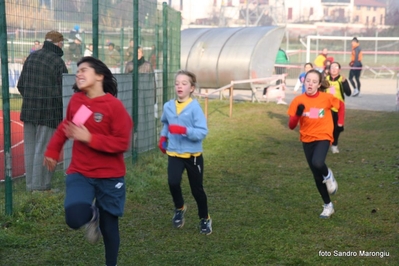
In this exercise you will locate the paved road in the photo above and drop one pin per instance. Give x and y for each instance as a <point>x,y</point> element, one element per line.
<point>376,94</point>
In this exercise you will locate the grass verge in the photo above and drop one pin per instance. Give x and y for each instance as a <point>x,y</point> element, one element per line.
<point>262,198</point>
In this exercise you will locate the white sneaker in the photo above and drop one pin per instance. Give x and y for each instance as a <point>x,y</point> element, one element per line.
<point>355,92</point>
<point>327,211</point>
<point>281,102</point>
<point>93,232</point>
<point>334,149</point>
<point>331,183</point>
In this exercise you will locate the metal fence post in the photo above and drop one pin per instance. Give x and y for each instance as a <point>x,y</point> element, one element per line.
<point>135,93</point>
<point>6,109</point>
<point>165,52</point>
<point>95,28</point>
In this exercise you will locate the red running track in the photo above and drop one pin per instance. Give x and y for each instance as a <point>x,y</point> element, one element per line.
<point>17,145</point>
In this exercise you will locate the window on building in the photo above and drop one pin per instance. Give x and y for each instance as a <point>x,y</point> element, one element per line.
<point>368,8</point>
<point>381,20</point>
<point>181,5</point>
<point>358,7</point>
<point>357,19</point>
<point>373,20</point>
<point>311,11</point>
<point>375,8</point>
<point>289,16</point>
<point>367,20</point>
<point>229,2</point>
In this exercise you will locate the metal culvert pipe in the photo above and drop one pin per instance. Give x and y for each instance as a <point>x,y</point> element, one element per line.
<point>219,55</point>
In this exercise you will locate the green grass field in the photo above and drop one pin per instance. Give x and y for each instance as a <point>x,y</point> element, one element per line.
<point>262,198</point>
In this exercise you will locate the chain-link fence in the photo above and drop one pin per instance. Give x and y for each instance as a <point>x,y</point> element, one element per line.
<point>118,32</point>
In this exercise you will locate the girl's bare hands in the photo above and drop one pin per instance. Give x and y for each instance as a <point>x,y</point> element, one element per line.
<point>75,132</point>
<point>49,163</point>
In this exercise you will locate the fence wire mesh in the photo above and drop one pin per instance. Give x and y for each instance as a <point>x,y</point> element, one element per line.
<point>115,31</point>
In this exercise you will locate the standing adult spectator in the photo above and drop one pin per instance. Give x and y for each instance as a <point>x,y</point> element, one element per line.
<point>129,51</point>
<point>74,53</point>
<point>153,56</point>
<point>320,59</point>
<point>356,66</point>
<point>36,46</point>
<point>112,58</point>
<point>143,65</point>
<point>281,59</point>
<point>40,85</point>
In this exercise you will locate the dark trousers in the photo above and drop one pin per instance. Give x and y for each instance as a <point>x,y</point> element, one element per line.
<point>355,73</point>
<point>336,131</point>
<point>195,172</point>
<point>316,153</point>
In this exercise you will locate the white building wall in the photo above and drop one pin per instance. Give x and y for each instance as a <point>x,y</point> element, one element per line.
<point>301,10</point>
<point>200,9</point>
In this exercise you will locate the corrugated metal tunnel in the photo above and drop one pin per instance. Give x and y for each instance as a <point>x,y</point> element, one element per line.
<point>219,55</point>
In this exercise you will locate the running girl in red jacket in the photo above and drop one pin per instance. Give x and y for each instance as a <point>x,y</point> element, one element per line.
<point>100,128</point>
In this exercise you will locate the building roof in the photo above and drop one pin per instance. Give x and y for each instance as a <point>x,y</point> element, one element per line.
<point>372,3</point>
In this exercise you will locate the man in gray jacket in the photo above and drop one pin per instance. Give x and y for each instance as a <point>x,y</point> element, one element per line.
<point>40,85</point>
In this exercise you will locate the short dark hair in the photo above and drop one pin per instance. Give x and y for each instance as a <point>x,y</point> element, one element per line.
<point>355,39</point>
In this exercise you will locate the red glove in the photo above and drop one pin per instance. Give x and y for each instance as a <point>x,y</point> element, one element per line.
<point>162,144</point>
<point>176,129</point>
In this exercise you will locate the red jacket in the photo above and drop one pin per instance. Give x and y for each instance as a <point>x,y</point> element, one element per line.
<point>110,126</point>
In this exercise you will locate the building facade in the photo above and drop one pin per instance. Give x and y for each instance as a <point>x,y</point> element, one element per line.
<point>224,13</point>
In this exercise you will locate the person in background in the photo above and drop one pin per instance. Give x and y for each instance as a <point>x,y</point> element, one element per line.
<point>89,50</point>
<point>36,46</point>
<point>40,85</point>
<point>112,58</point>
<point>320,59</point>
<point>184,129</point>
<point>327,64</point>
<point>143,65</point>
<point>281,59</point>
<point>300,83</point>
<point>95,185</point>
<point>312,110</point>
<point>339,87</point>
<point>74,53</point>
<point>73,33</point>
<point>356,66</point>
<point>153,57</point>
<point>129,52</point>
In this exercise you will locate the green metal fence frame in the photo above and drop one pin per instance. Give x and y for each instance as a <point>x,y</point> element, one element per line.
<point>170,64</point>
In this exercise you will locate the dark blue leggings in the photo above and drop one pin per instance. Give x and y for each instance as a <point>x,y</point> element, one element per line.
<point>78,215</point>
<point>316,153</point>
<point>195,171</point>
